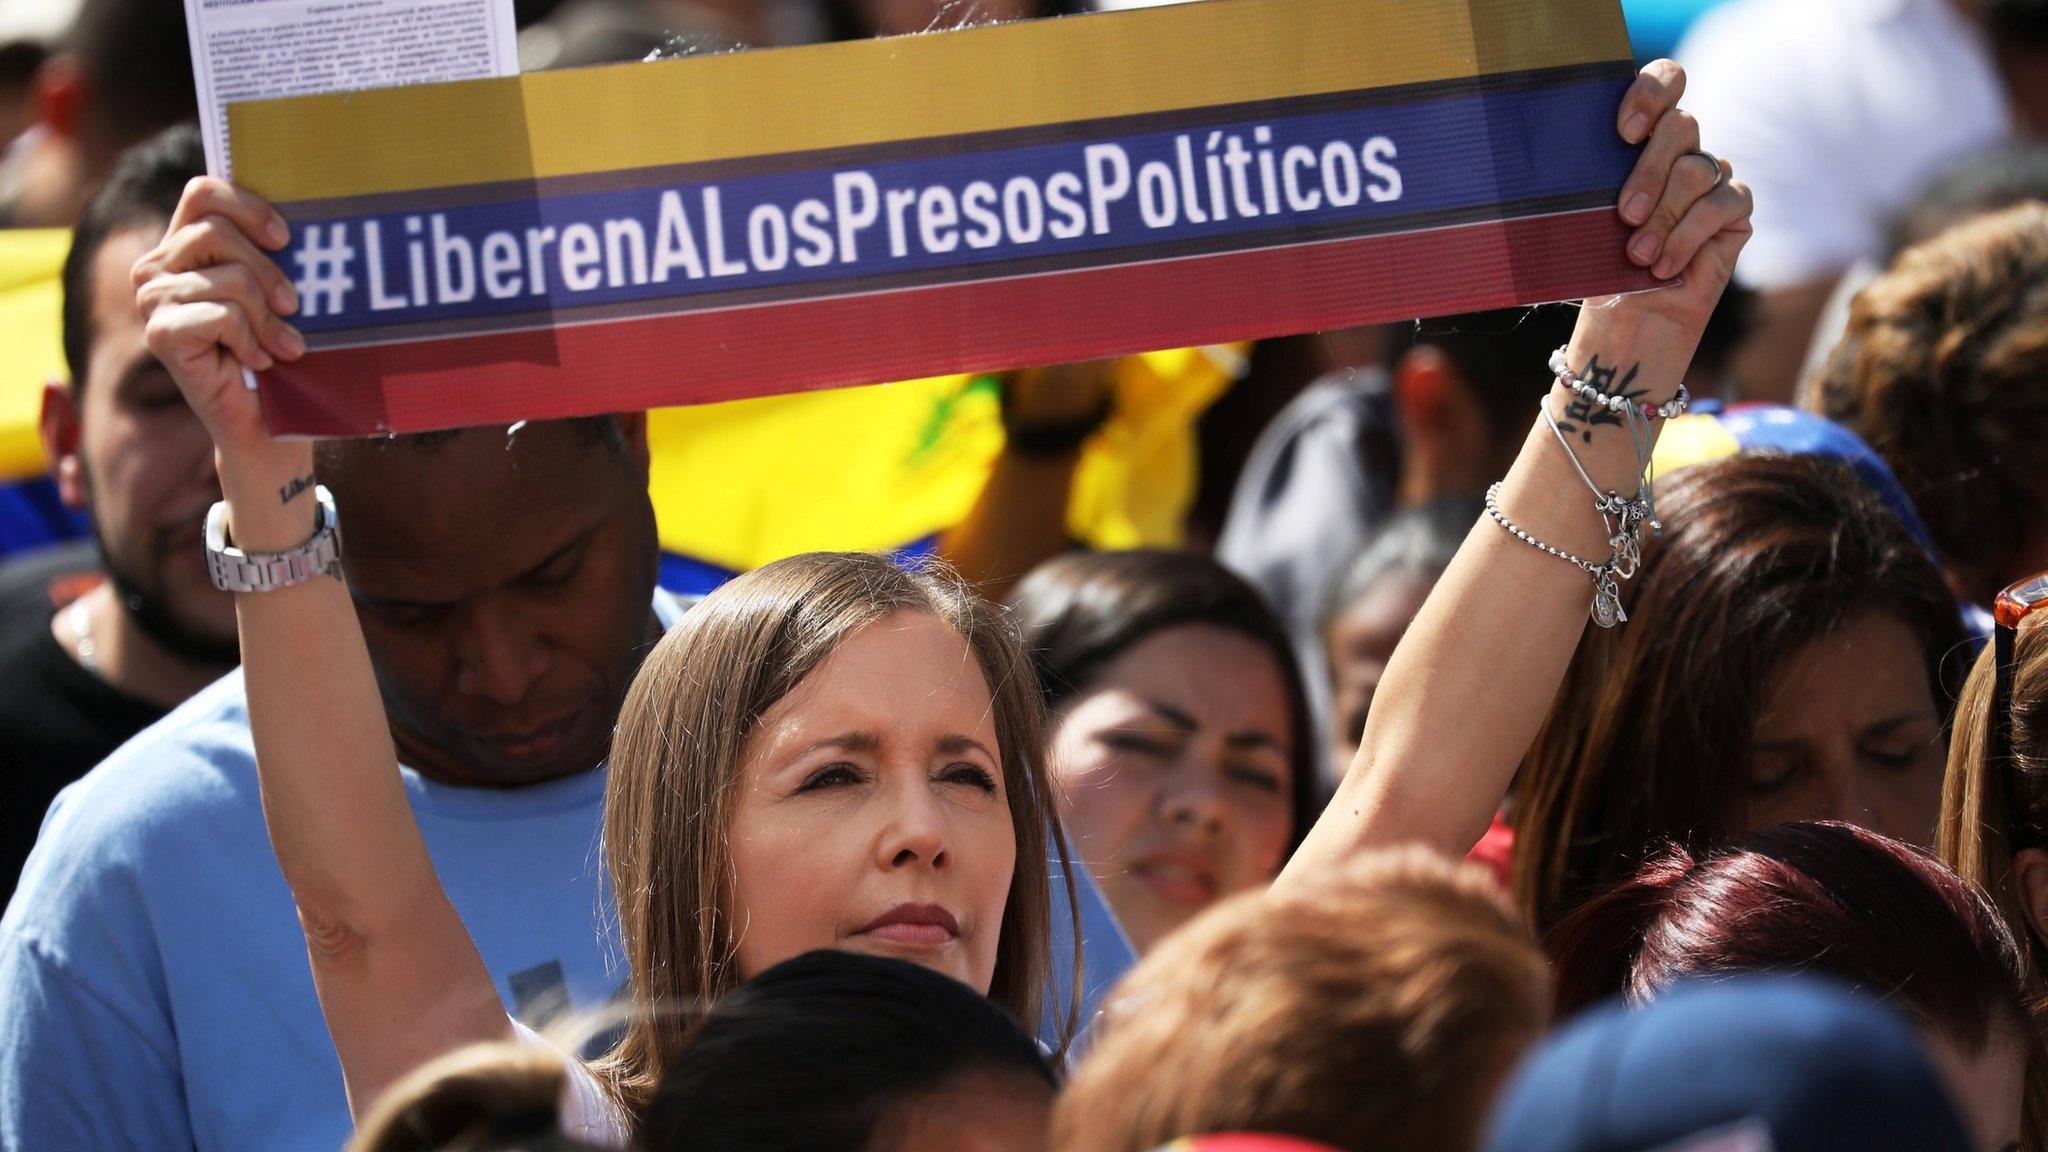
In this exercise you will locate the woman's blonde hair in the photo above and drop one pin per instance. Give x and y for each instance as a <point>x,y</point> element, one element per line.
<point>1985,805</point>
<point>1381,1007</point>
<point>483,1098</point>
<point>676,762</point>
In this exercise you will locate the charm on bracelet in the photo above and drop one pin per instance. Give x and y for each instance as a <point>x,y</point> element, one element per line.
<point>1607,610</point>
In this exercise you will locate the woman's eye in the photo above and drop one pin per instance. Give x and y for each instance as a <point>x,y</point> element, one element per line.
<point>972,775</point>
<point>1768,774</point>
<point>1897,759</point>
<point>1134,744</point>
<point>831,776</point>
<point>1259,778</point>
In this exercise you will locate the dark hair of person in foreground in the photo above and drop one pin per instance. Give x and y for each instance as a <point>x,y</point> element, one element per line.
<point>1885,918</point>
<point>829,1052</point>
<point>840,1052</point>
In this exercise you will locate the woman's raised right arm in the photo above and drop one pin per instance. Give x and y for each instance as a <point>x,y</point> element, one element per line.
<point>399,979</point>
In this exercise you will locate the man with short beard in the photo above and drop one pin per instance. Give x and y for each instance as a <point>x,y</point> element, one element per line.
<point>77,681</point>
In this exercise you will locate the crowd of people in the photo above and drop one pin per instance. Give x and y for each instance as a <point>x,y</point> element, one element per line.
<point>1599,727</point>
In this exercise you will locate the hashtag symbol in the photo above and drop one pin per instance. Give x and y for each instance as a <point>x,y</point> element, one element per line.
<point>323,269</point>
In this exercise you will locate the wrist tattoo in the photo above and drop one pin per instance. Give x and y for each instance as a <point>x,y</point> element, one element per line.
<point>1581,416</point>
<point>297,488</point>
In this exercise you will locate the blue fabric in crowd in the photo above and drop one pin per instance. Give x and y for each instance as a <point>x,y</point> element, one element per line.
<point>1775,428</point>
<point>31,515</point>
<point>154,987</point>
<point>1790,1064</point>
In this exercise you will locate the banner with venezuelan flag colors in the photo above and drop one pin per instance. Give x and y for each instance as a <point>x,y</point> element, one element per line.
<point>711,228</point>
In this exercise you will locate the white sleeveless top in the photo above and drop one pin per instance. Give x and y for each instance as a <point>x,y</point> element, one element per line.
<point>588,1111</point>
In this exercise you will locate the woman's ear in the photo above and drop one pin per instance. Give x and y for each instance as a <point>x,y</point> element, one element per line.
<point>2030,880</point>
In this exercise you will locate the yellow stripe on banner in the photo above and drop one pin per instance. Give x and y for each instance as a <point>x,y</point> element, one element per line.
<point>982,79</point>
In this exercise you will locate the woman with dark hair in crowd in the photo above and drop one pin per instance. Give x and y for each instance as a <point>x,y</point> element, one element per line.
<point>1831,898</point>
<point>1790,654</point>
<point>829,751</point>
<point>1181,739</point>
<point>830,1052</point>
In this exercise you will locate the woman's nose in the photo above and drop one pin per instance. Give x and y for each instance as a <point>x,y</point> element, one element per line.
<point>916,833</point>
<point>1198,807</point>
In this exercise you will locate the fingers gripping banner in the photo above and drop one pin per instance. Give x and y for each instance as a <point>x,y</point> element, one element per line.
<point>713,228</point>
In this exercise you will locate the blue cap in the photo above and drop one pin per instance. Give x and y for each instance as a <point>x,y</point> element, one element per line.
<point>1713,431</point>
<point>1751,1064</point>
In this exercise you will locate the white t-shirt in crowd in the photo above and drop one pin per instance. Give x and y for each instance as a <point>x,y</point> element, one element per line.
<point>1836,113</point>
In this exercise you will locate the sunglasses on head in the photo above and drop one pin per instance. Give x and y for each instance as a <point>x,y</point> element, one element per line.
<point>2011,608</point>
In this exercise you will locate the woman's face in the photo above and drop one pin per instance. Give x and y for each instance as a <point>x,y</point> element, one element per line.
<point>1850,731</point>
<point>1176,775</point>
<point>873,813</point>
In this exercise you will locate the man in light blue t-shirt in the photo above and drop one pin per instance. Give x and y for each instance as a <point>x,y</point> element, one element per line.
<point>154,986</point>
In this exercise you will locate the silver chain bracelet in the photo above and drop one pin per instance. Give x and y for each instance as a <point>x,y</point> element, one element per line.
<point>1607,610</point>
<point>1669,410</point>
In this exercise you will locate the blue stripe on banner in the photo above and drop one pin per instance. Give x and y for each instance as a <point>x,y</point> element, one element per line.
<point>1128,196</point>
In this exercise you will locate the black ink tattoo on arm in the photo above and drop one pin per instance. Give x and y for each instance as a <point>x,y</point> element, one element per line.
<point>297,488</point>
<point>1581,416</point>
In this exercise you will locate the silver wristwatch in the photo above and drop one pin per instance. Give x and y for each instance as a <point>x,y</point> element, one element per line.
<point>234,570</point>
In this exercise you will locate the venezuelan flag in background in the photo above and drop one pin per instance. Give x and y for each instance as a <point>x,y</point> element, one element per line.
<point>737,485</point>
<point>31,354</point>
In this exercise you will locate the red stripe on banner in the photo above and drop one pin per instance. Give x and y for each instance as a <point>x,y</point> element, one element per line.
<point>697,358</point>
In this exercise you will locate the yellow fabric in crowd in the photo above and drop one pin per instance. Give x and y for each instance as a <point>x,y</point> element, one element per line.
<point>31,337</point>
<point>738,485</point>
<point>744,483</point>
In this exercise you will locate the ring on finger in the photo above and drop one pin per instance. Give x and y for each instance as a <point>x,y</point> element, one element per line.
<point>1720,172</point>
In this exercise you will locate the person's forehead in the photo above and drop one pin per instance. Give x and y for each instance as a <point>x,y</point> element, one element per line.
<point>470,511</point>
<point>906,679</point>
<point>1871,668</point>
<point>116,324</point>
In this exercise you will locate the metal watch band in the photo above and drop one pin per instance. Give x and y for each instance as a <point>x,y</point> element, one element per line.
<point>234,570</point>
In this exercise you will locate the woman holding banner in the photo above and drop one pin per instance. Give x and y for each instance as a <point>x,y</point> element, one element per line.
<point>831,752</point>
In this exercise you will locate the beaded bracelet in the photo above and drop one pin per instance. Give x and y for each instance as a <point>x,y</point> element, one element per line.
<point>1607,611</point>
<point>1668,410</point>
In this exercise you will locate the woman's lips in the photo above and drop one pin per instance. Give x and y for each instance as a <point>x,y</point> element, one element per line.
<point>1177,877</point>
<point>913,926</point>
